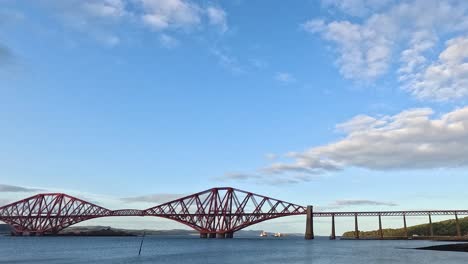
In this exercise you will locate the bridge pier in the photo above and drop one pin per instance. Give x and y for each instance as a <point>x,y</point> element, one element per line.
<point>380,227</point>
<point>221,235</point>
<point>211,235</point>
<point>333,235</point>
<point>458,225</point>
<point>404,226</point>
<point>431,230</point>
<point>203,235</point>
<point>356,227</point>
<point>309,234</point>
<point>230,235</point>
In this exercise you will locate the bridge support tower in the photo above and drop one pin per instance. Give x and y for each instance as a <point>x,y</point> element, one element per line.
<point>333,234</point>
<point>431,230</point>
<point>405,227</point>
<point>356,227</point>
<point>309,234</point>
<point>380,227</point>
<point>458,226</point>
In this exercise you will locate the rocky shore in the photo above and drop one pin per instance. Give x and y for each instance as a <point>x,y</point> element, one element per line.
<point>462,247</point>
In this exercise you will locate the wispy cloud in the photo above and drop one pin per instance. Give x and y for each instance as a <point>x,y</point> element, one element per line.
<point>238,176</point>
<point>343,203</point>
<point>13,188</point>
<point>153,198</point>
<point>101,19</point>
<point>217,17</point>
<point>264,178</point>
<point>227,60</point>
<point>340,204</point>
<point>168,41</point>
<point>284,77</point>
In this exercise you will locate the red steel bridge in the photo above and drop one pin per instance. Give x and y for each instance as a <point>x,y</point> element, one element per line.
<point>217,212</point>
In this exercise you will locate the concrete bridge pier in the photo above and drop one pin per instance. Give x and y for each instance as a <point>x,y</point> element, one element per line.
<point>404,226</point>
<point>380,227</point>
<point>431,230</point>
<point>333,235</point>
<point>309,234</point>
<point>356,227</point>
<point>217,235</point>
<point>458,226</point>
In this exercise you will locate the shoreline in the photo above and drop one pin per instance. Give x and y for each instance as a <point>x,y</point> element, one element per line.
<point>459,247</point>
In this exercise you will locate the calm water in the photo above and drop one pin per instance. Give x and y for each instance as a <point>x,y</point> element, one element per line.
<point>193,250</point>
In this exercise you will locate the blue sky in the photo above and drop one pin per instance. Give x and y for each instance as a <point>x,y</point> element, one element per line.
<point>314,102</point>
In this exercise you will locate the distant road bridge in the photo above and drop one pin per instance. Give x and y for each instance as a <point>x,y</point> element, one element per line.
<point>217,212</point>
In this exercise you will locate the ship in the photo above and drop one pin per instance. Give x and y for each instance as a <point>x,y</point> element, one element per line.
<point>279,235</point>
<point>263,234</point>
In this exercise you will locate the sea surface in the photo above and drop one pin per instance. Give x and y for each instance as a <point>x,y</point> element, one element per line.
<point>238,250</point>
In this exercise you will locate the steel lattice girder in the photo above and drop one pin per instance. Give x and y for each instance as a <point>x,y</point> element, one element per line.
<point>217,210</point>
<point>222,210</point>
<point>49,213</point>
<point>393,213</point>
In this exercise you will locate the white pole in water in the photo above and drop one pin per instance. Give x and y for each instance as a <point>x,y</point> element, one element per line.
<point>141,244</point>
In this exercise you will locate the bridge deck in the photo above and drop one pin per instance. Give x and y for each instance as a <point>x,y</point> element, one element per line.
<point>392,213</point>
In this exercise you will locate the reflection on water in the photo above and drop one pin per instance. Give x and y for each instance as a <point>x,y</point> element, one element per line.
<point>195,250</point>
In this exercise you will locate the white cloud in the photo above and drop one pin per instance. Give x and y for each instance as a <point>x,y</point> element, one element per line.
<point>93,18</point>
<point>163,14</point>
<point>284,77</point>
<point>364,50</point>
<point>412,29</point>
<point>100,18</point>
<point>105,8</point>
<point>154,198</point>
<point>351,202</point>
<point>237,176</point>
<point>217,17</point>
<point>409,140</point>
<point>444,79</point>
<point>13,188</point>
<point>357,7</point>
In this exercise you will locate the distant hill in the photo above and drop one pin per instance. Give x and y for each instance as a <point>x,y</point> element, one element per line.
<point>442,228</point>
<point>84,230</point>
<point>93,229</point>
<point>109,231</point>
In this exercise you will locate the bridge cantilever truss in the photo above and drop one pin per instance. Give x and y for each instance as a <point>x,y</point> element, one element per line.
<point>215,212</point>
<point>49,213</point>
<point>224,210</point>
<point>220,211</point>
